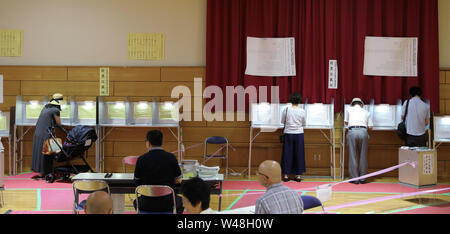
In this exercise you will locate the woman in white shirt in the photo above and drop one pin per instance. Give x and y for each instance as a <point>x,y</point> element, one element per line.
<point>293,156</point>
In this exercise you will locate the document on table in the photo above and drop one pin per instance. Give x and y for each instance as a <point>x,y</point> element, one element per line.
<point>390,56</point>
<point>272,57</point>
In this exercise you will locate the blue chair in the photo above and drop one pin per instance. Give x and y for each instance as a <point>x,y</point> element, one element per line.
<point>310,202</point>
<point>217,140</point>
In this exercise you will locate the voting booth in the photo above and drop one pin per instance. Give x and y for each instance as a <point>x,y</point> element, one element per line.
<point>441,130</point>
<point>26,116</point>
<point>141,113</point>
<point>424,174</point>
<point>385,117</point>
<point>4,133</point>
<point>266,117</point>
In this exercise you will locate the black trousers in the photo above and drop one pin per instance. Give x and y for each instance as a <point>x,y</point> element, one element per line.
<point>417,141</point>
<point>160,204</point>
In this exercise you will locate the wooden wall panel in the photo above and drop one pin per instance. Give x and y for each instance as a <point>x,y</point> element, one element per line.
<point>83,74</point>
<point>142,89</point>
<point>67,88</point>
<point>33,73</point>
<point>182,73</point>
<point>135,74</point>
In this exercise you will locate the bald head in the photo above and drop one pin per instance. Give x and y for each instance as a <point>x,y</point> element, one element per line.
<point>272,170</point>
<point>98,202</point>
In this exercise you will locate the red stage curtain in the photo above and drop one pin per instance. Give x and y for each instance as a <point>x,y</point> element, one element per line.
<point>324,30</point>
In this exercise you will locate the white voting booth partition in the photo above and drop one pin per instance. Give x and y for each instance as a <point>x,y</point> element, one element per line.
<point>441,130</point>
<point>4,133</point>
<point>26,116</point>
<point>126,113</point>
<point>384,117</point>
<point>266,117</point>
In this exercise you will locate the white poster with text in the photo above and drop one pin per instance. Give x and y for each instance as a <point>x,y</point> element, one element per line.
<point>272,57</point>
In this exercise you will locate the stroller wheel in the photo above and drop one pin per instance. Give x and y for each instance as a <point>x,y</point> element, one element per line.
<point>50,178</point>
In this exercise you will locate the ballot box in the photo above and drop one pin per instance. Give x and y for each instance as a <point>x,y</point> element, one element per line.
<point>424,174</point>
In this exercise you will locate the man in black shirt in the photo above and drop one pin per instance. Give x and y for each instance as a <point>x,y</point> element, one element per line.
<point>158,167</point>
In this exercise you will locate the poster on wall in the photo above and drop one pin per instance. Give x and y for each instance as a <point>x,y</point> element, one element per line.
<point>1,88</point>
<point>390,56</point>
<point>145,46</point>
<point>11,43</point>
<point>272,57</point>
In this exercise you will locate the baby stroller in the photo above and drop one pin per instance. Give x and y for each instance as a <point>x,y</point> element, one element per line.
<point>78,141</point>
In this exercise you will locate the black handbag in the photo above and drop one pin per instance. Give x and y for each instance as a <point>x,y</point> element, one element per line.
<point>284,126</point>
<point>401,128</point>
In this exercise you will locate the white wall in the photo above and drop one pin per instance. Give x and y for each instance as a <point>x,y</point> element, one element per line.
<point>94,32</point>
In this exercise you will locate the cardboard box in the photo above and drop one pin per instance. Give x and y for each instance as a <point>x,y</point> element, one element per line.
<point>425,172</point>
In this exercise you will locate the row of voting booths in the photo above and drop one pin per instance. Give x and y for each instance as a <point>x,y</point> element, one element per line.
<point>266,117</point>
<point>105,116</point>
<point>99,114</point>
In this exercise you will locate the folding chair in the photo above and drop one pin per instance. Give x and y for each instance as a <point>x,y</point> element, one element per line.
<point>129,160</point>
<point>217,140</point>
<point>154,191</point>
<point>2,202</point>
<point>310,202</point>
<point>86,186</point>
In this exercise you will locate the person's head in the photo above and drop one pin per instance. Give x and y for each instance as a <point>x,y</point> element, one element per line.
<point>269,172</point>
<point>415,91</point>
<point>154,138</point>
<point>295,98</point>
<point>56,101</point>
<point>357,101</point>
<point>99,202</point>
<point>196,195</point>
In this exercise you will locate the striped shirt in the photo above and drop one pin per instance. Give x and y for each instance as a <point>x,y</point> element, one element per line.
<point>279,199</point>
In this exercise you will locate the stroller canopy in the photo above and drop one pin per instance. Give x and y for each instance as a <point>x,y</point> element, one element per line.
<point>80,134</point>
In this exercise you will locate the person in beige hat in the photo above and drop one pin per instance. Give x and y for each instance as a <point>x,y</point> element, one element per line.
<point>359,122</point>
<point>48,120</point>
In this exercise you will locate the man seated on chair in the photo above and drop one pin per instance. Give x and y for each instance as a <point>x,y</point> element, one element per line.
<point>196,196</point>
<point>278,199</point>
<point>99,202</point>
<point>158,167</point>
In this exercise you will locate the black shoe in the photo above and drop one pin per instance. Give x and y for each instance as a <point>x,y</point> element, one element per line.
<point>37,177</point>
<point>298,179</point>
<point>285,178</point>
<point>362,182</point>
<point>354,182</point>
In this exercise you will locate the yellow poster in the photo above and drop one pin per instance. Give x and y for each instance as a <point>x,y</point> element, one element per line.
<point>143,111</point>
<point>11,43</point>
<point>86,112</point>
<point>104,81</point>
<point>33,111</point>
<point>65,112</point>
<point>116,111</point>
<point>2,123</point>
<point>145,46</point>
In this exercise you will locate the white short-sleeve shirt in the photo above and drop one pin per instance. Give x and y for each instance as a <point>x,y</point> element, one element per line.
<point>295,118</point>
<point>357,116</point>
<point>418,112</point>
